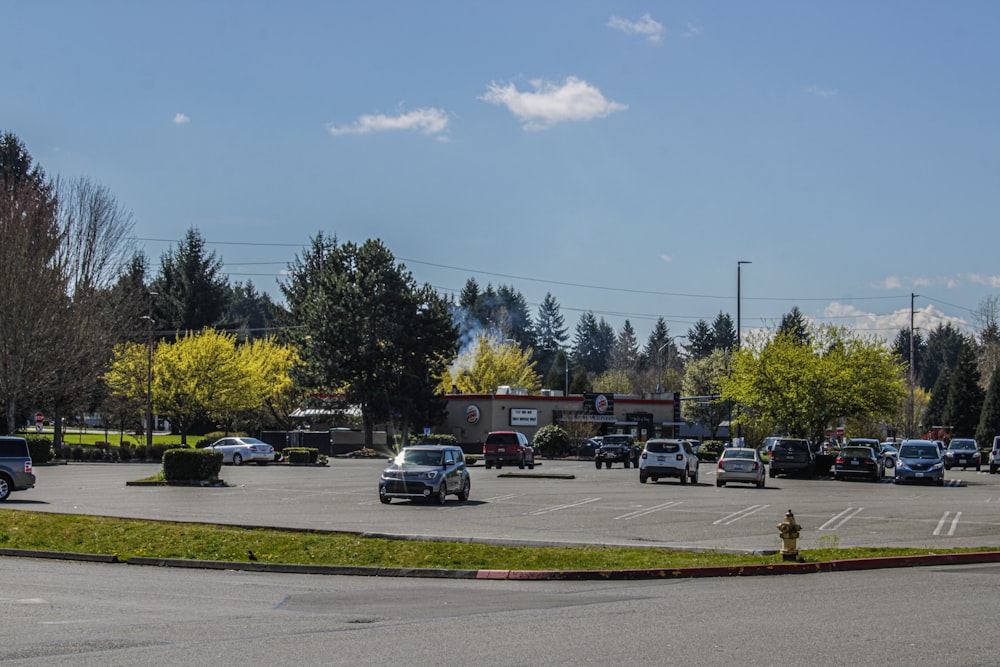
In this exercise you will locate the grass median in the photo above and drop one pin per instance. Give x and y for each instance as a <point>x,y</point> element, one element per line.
<point>128,538</point>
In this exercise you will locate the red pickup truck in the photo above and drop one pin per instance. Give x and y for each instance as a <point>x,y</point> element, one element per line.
<point>510,447</point>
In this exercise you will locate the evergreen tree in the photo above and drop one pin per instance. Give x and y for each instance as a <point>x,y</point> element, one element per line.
<point>625,351</point>
<point>901,347</point>
<point>965,397</point>
<point>793,324</point>
<point>934,414</point>
<point>944,343</point>
<point>550,333</point>
<point>701,342</point>
<point>191,291</point>
<point>592,343</point>
<point>559,372</point>
<point>989,418</point>
<point>723,332</point>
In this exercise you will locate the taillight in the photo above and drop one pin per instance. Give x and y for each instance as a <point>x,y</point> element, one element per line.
<point>869,462</point>
<point>644,455</point>
<point>756,466</point>
<point>720,464</point>
<point>680,457</point>
<point>27,466</point>
<point>484,449</point>
<point>840,459</point>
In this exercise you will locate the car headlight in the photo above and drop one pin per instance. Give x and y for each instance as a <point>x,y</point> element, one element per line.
<point>431,475</point>
<point>937,466</point>
<point>902,465</point>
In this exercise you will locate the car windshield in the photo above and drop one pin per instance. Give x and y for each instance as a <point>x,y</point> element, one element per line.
<point>663,447</point>
<point>419,457</point>
<point>616,440</point>
<point>964,445</point>
<point>791,445</point>
<point>918,452</point>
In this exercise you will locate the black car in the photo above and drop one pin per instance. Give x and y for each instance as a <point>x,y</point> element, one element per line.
<point>962,452</point>
<point>792,456</point>
<point>855,461</point>
<point>617,449</point>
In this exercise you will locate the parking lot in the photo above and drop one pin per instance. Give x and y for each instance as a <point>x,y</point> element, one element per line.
<point>560,502</point>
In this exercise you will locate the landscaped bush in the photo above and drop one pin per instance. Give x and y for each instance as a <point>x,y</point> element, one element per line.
<point>40,450</point>
<point>710,450</point>
<point>433,439</point>
<point>191,465</point>
<point>551,440</point>
<point>301,455</point>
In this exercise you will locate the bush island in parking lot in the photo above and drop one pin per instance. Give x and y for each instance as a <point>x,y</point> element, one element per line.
<point>187,465</point>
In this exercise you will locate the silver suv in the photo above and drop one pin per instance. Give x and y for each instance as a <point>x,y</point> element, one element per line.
<point>668,458</point>
<point>15,466</point>
<point>425,472</point>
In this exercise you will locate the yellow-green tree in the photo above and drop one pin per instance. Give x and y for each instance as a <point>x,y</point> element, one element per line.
<point>802,387</point>
<point>126,382</point>
<point>493,364</point>
<point>613,382</point>
<point>269,366</point>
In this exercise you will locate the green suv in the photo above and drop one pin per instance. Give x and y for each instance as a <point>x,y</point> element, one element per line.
<point>15,466</point>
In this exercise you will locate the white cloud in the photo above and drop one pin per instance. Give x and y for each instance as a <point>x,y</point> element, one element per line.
<point>427,121</point>
<point>667,258</point>
<point>645,26</point>
<point>890,282</point>
<point>574,100</point>
<point>886,326</point>
<point>181,119</point>
<point>980,279</point>
<point>822,92</point>
<point>691,31</point>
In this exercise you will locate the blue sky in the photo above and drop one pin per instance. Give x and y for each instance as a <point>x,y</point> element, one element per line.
<point>623,156</point>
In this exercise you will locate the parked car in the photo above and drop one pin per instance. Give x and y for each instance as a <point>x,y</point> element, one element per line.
<point>617,449</point>
<point>995,455</point>
<point>791,455</point>
<point>508,447</point>
<point>859,461</point>
<point>240,450</point>
<point>962,452</point>
<point>888,451</point>
<point>429,472</point>
<point>919,460</point>
<point>740,464</point>
<point>15,466</point>
<point>668,458</point>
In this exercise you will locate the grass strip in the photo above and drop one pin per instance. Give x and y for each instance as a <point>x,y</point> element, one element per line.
<point>127,538</point>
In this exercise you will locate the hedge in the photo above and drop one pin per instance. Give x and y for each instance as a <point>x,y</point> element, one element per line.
<point>191,465</point>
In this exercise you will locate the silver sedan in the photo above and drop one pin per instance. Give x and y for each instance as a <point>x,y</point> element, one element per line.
<point>740,464</point>
<point>238,450</point>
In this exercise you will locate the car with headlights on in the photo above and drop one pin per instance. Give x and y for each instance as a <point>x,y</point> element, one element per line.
<point>859,461</point>
<point>740,464</point>
<point>919,461</point>
<point>962,452</point>
<point>241,449</point>
<point>663,457</point>
<point>425,472</point>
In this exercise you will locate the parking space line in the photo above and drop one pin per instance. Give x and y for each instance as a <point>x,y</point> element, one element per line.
<point>840,519</point>
<point>944,519</point>
<point>556,508</point>
<point>649,510</point>
<point>740,514</point>
<point>509,496</point>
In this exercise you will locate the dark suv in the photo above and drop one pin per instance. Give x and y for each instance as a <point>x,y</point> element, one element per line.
<point>789,455</point>
<point>617,449</point>
<point>15,466</point>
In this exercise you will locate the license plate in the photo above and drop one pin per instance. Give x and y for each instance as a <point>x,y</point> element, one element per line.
<point>920,474</point>
<point>854,463</point>
<point>501,450</point>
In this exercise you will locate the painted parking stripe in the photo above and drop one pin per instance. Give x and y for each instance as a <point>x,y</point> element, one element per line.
<point>648,510</point>
<point>740,514</point>
<point>840,519</point>
<point>556,508</point>
<point>509,496</point>
<point>944,522</point>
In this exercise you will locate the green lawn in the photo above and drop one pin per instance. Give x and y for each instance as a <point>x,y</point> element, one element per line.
<point>126,538</point>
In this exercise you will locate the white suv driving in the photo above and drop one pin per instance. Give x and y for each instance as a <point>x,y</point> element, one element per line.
<point>668,458</point>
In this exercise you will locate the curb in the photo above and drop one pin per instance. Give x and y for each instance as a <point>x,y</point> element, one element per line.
<point>534,575</point>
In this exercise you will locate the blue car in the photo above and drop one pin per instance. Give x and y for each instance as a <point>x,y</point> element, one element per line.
<point>919,461</point>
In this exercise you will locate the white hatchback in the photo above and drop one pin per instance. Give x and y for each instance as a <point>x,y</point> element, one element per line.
<point>668,458</point>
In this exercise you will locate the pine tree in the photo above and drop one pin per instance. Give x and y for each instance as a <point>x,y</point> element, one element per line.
<point>794,324</point>
<point>701,342</point>
<point>965,397</point>
<point>550,335</point>
<point>723,332</point>
<point>989,418</point>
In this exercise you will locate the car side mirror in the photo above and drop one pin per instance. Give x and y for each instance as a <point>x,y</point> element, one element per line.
<point>449,462</point>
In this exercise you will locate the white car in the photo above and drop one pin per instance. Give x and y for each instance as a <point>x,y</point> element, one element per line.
<point>668,458</point>
<point>239,450</point>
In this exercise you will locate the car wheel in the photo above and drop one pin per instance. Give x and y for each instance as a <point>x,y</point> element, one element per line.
<point>383,497</point>
<point>940,482</point>
<point>442,493</point>
<point>993,468</point>
<point>520,464</point>
<point>5,485</point>
<point>463,495</point>
<point>237,459</point>
<point>642,477</point>
<point>770,472</point>
<point>719,483</point>
<point>947,466</point>
<point>684,476</point>
<point>977,468</point>
<point>760,484</point>
<point>694,477</point>
<point>531,466</point>
<point>489,464</point>
<point>607,465</point>
<point>655,479</point>
<point>598,464</point>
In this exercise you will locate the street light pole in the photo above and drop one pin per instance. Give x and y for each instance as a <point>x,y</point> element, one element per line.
<point>149,372</point>
<point>659,368</point>
<point>739,331</point>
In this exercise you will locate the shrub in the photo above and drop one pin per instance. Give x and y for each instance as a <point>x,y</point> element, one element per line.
<point>433,439</point>
<point>191,465</point>
<point>470,459</point>
<point>140,453</point>
<point>710,450</point>
<point>551,440</point>
<point>155,452</point>
<point>40,450</point>
<point>125,452</point>
<point>76,453</point>
<point>301,455</point>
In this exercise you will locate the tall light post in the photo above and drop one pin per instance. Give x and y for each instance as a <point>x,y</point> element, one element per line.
<point>913,363</point>
<point>149,372</point>
<point>739,332</point>
<point>659,367</point>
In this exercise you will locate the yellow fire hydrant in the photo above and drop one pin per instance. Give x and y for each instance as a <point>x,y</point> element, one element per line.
<point>789,532</point>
